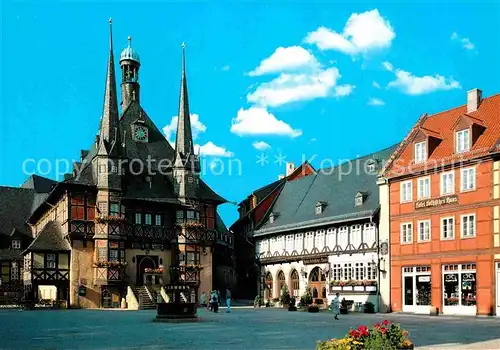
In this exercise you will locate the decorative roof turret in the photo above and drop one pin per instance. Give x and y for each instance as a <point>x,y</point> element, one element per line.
<point>129,53</point>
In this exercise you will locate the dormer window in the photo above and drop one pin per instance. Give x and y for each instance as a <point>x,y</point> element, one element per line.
<point>271,218</point>
<point>16,244</point>
<point>371,166</point>
<point>320,206</point>
<point>360,198</point>
<point>463,140</point>
<point>420,152</point>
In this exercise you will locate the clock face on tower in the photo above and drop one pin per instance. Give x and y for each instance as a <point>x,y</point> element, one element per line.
<point>140,133</point>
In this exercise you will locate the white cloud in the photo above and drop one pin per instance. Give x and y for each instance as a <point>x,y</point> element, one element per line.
<point>225,68</point>
<point>363,32</point>
<point>260,145</point>
<point>197,127</point>
<point>376,85</point>
<point>211,149</point>
<point>388,66</point>
<point>286,59</point>
<point>298,87</point>
<point>413,85</point>
<point>258,121</point>
<point>343,90</point>
<point>466,43</point>
<point>375,102</point>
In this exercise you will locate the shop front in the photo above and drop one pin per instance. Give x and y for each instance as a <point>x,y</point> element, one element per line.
<point>417,289</point>
<point>459,289</point>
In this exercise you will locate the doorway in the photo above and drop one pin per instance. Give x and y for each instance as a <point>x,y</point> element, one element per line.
<point>145,262</point>
<point>317,281</point>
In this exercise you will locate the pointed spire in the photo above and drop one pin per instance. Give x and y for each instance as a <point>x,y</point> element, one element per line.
<point>184,139</point>
<point>109,133</point>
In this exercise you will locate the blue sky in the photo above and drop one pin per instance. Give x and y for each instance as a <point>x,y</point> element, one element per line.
<point>328,80</point>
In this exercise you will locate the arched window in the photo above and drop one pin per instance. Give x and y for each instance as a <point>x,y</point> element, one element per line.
<point>294,277</point>
<point>314,293</point>
<point>323,293</point>
<point>317,275</point>
<point>281,280</point>
<point>269,285</point>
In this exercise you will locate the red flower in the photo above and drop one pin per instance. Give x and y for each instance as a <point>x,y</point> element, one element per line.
<point>376,325</point>
<point>363,330</point>
<point>354,333</point>
<point>383,330</point>
<point>385,322</point>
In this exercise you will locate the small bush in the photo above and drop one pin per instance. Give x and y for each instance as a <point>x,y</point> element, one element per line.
<point>313,308</point>
<point>306,299</point>
<point>257,302</point>
<point>369,308</point>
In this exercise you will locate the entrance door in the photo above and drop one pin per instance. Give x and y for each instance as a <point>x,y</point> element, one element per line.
<point>498,288</point>
<point>408,294</point>
<point>145,262</point>
<point>317,282</point>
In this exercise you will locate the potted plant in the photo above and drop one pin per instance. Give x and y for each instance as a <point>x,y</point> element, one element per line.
<point>343,307</point>
<point>306,299</point>
<point>369,308</point>
<point>285,296</point>
<point>313,308</point>
<point>257,301</point>
<point>291,305</point>
<point>268,303</point>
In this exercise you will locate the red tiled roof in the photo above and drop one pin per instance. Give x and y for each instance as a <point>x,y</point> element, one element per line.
<point>442,124</point>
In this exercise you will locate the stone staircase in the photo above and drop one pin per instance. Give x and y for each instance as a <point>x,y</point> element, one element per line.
<point>144,297</point>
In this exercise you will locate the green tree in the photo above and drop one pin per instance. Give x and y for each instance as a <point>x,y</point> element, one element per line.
<point>306,298</point>
<point>285,295</point>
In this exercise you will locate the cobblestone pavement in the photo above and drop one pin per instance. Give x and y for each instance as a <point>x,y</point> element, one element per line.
<point>241,329</point>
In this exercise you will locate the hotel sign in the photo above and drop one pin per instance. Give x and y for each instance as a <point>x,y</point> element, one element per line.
<point>314,261</point>
<point>431,203</point>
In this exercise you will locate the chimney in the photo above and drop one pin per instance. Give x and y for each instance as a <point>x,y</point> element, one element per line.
<point>290,167</point>
<point>281,177</point>
<point>473,100</point>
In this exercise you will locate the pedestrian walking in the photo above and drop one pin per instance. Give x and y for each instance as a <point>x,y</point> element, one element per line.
<point>203,300</point>
<point>336,306</point>
<point>228,300</point>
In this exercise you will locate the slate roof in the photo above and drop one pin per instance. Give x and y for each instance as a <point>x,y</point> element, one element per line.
<point>442,125</point>
<point>15,207</point>
<point>157,148</point>
<point>49,238</point>
<point>294,208</point>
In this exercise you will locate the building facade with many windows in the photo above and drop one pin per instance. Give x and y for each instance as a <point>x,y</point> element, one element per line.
<point>321,233</point>
<point>443,187</point>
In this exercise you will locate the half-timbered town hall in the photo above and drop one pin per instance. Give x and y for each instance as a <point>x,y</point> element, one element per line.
<point>104,234</point>
<point>321,234</point>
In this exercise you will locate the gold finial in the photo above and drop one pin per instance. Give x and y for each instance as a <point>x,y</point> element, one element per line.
<point>183,45</point>
<point>110,20</point>
<point>129,40</point>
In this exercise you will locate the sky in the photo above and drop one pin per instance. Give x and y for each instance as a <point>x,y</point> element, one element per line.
<point>268,83</point>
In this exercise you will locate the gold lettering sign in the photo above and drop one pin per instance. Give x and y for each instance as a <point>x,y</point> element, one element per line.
<point>313,261</point>
<point>437,202</point>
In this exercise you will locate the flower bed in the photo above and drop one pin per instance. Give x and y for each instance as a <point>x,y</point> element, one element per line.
<point>381,336</point>
<point>108,218</point>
